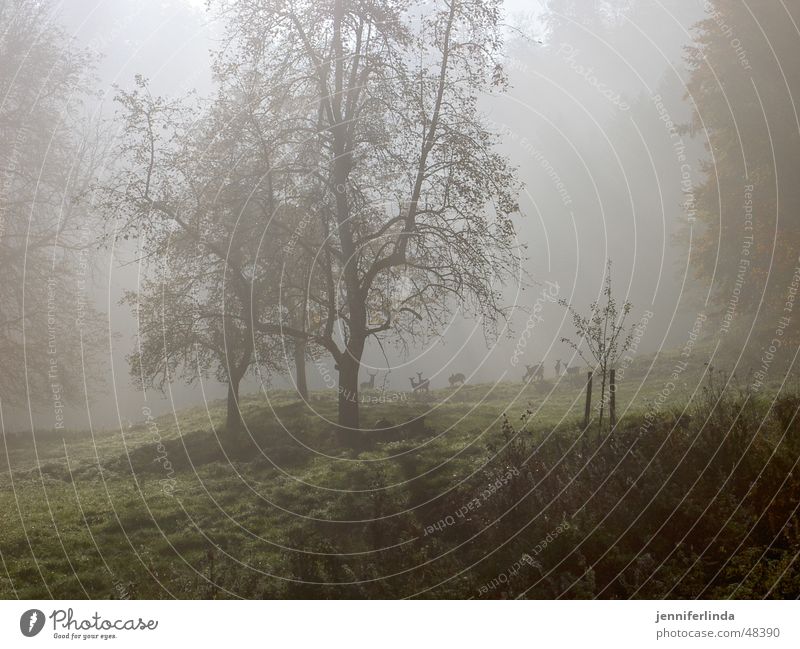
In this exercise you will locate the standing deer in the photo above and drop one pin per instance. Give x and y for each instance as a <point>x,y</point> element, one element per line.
<point>457,379</point>
<point>559,365</point>
<point>420,384</point>
<point>533,372</point>
<point>369,385</point>
<point>572,371</point>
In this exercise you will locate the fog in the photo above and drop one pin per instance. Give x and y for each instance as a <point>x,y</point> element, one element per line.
<point>599,169</point>
<point>377,299</point>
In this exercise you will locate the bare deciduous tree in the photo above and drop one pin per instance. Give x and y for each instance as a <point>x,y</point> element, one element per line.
<point>190,199</point>
<point>602,334</point>
<point>357,125</point>
<point>411,189</point>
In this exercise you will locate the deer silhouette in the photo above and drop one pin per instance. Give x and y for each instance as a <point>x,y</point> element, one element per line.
<point>534,372</point>
<point>572,371</point>
<point>559,365</point>
<point>456,379</point>
<point>420,384</point>
<point>369,385</point>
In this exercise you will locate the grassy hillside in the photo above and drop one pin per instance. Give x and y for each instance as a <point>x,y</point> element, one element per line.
<point>694,494</point>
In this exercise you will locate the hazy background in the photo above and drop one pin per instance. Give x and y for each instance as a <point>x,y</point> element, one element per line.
<point>601,176</point>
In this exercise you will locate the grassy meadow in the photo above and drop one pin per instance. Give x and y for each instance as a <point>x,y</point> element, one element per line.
<point>694,494</point>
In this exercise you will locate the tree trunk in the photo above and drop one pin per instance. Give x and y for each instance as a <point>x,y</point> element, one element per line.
<point>602,397</point>
<point>612,398</point>
<point>349,365</point>
<point>587,413</point>
<point>300,369</point>
<point>348,393</point>
<point>343,146</point>
<point>233,421</point>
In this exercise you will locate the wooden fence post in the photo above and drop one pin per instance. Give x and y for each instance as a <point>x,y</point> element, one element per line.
<point>612,392</point>
<point>587,413</point>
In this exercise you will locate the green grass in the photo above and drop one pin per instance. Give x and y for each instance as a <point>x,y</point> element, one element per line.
<point>179,508</point>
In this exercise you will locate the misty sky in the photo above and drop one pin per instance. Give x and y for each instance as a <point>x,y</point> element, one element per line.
<point>601,178</point>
